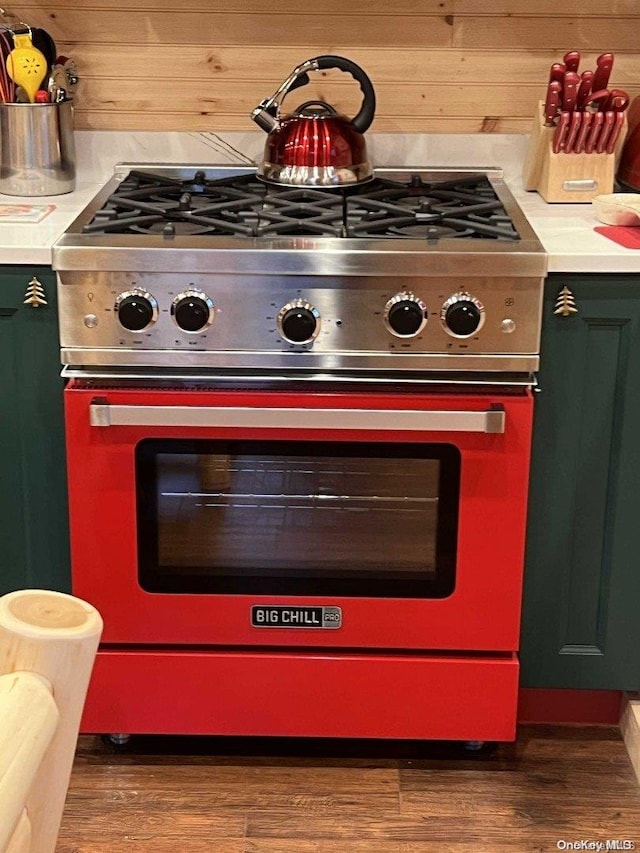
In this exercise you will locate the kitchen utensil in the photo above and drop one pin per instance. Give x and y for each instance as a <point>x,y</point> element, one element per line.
<point>617,208</point>
<point>599,97</point>
<point>42,40</point>
<point>570,90</point>
<point>557,72</point>
<point>57,80</point>
<point>7,87</point>
<point>67,67</point>
<point>561,132</point>
<point>615,133</point>
<point>572,134</point>
<point>586,79</point>
<point>605,131</point>
<point>552,102</point>
<point>585,124</point>
<point>617,101</point>
<point>596,124</point>
<point>572,60</point>
<point>315,145</point>
<point>604,64</point>
<point>26,65</point>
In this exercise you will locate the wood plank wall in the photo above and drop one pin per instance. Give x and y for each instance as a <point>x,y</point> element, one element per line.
<point>437,65</point>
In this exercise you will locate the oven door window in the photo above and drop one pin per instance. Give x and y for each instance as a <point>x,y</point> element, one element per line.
<point>297,518</point>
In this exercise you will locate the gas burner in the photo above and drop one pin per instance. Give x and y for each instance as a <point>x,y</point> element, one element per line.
<point>186,229</point>
<point>243,206</point>
<point>430,210</point>
<point>418,231</point>
<point>145,203</point>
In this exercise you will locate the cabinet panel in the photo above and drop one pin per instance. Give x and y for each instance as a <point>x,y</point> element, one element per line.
<point>596,448</point>
<point>33,503</point>
<point>581,625</point>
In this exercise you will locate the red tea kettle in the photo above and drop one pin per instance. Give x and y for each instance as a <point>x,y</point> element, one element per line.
<point>315,145</point>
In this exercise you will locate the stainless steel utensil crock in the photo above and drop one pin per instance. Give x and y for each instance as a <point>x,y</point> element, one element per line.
<point>37,150</point>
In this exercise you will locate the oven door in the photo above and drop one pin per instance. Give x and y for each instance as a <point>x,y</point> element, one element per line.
<point>351,520</point>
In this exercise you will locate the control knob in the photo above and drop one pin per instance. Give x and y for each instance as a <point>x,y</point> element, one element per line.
<point>136,310</point>
<point>192,310</point>
<point>299,322</point>
<point>405,315</point>
<point>462,315</point>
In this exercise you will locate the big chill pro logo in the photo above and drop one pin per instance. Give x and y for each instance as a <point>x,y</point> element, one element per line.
<point>278,616</point>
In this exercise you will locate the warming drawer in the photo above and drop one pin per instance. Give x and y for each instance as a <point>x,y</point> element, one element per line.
<point>448,697</point>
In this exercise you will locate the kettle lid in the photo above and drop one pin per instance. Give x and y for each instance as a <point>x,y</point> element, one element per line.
<point>315,109</point>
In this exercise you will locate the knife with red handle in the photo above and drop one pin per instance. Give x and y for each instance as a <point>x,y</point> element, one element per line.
<point>572,60</point>
<point>585,124</point>
<point>582,99</point>
<point>599,98</point>
<point>615,133</point>
<point>561,131</point>
<point>552,103</point>
<point>557,72</point>
<point>594,131</point>
<point>617,101</point>
<point>570,90</point>
<point>604,64</point>
<point>605,132</point>
<point>572,133</point>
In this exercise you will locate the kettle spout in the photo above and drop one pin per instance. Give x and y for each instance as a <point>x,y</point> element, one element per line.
<point>265,115</point>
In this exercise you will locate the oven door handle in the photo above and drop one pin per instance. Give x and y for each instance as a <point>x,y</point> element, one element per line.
<point>490,421</point>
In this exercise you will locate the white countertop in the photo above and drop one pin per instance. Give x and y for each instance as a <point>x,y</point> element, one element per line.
<point>565,230</point>
<point>30,243</point>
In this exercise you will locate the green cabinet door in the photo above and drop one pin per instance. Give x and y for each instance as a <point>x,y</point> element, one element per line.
<point>581,610</point>
<point>34,549</point>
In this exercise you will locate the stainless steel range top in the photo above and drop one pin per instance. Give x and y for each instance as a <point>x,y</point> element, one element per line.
<point>211,269</point>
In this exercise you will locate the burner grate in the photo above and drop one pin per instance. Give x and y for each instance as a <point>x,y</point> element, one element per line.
<point>244,206</point>
<point>467,207</point>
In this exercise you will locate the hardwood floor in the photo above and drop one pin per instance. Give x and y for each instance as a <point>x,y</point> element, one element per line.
<point>169,795</point>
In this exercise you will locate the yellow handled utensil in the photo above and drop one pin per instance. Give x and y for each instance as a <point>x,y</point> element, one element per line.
<point>26,65</point>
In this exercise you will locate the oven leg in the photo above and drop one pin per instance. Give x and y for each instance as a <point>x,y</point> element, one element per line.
<point>118,738</point>
<point>473,745</point>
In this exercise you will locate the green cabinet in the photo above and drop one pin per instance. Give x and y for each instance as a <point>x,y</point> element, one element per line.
<point>34,550</point>
<point>581,610</point>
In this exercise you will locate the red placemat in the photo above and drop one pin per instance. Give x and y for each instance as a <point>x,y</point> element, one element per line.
<point>629,237</point>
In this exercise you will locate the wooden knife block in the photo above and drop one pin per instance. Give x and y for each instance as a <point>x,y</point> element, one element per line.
<point>566,177</point>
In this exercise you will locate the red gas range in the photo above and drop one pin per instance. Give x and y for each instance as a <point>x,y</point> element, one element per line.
<point>298,425</point>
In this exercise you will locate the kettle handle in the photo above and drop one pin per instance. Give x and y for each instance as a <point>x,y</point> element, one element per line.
<point>364,118</point>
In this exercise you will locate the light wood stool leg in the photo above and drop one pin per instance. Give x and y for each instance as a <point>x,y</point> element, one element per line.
<point>55,636</point>
<point>21,838</point>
